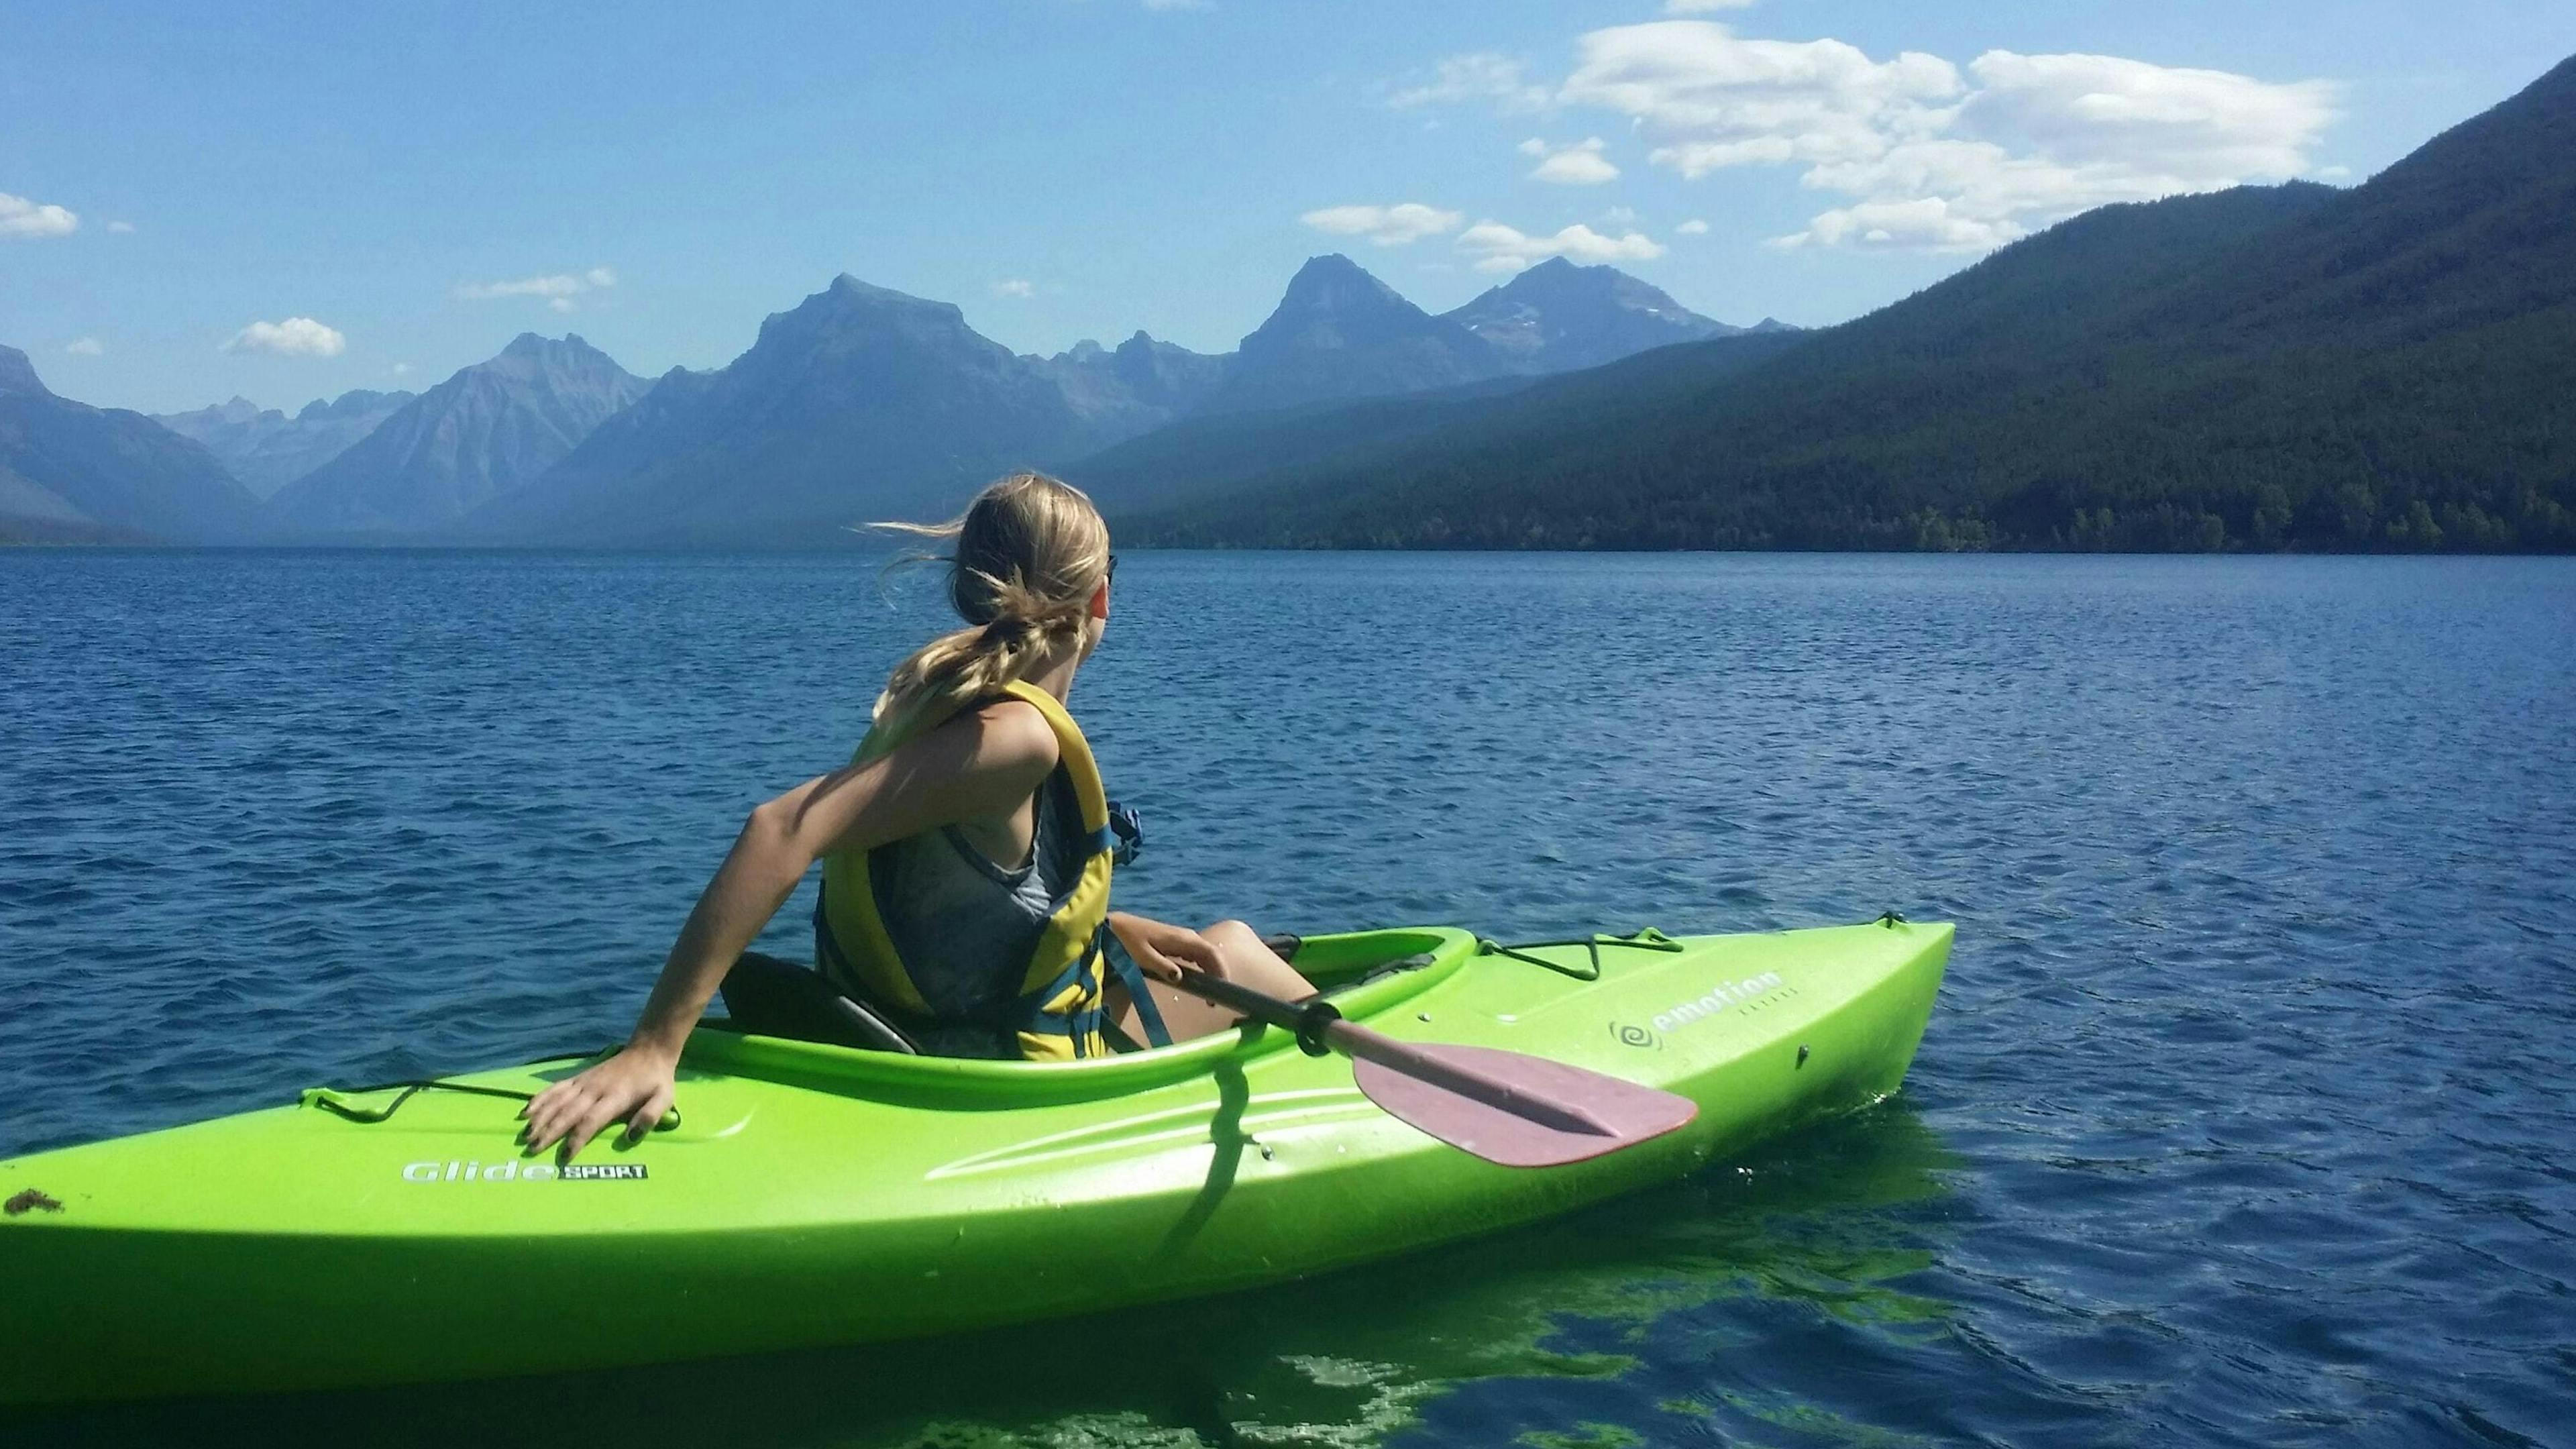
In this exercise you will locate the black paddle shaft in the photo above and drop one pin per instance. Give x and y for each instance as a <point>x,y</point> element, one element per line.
<point>1310,1019</point>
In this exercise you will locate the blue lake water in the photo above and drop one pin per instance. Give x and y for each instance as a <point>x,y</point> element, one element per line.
<point>2247,1116</point>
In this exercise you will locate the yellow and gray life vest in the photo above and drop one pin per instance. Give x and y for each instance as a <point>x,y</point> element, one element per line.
<point>1057,1014</point>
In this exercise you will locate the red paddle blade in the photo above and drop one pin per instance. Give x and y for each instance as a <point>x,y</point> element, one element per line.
<point>1562,1114</point>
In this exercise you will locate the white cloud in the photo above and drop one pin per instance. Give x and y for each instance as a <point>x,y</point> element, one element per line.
<point>1692,227</point>
<point>1934,158</point>
<point>558,288</point>
<point>402,369</point>
<point>562,284</point>
<point>2202,125</point>
<point>1580,164</point>
<point>1619,216</point>
<point>1928,223</point>
<point>1499,248</point>
<point>20,217</point>
<point>1708,99</point>
<point>294,337</point>
<point>121,228</point>
<point>1387,226</point>
<point>1015,287</point>
<point>84,347</point>
<point>1480,76</point>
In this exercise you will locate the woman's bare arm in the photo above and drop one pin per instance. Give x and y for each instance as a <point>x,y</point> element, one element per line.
<point>1162,950</point>
<point>978,765</point>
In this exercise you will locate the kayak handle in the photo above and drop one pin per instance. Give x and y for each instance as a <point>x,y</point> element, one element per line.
<point>1646,939</point>
<point>335,1100</point>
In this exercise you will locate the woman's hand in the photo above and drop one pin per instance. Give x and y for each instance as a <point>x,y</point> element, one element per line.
<point>636,1085</point>
<point>1163,950</point>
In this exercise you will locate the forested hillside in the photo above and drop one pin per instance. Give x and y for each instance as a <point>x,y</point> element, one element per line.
<point>1197,460</point>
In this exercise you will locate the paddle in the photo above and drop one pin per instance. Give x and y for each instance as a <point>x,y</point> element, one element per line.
<point>1505,1107</point>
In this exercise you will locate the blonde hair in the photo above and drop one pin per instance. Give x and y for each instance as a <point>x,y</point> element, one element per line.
<point>1026,556</point>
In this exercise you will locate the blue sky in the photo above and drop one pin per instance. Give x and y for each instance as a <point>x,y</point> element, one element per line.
<point>287,201</point>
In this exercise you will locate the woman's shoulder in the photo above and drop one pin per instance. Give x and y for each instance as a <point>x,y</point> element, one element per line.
<point>1009,733</point>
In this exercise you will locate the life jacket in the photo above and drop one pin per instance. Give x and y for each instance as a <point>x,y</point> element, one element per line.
<point>1057,1014</point>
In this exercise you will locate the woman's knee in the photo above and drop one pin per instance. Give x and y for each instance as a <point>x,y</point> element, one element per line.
<point>1232,935</point>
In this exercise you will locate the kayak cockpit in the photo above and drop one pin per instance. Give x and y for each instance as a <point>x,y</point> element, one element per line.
<point>1364,973</point>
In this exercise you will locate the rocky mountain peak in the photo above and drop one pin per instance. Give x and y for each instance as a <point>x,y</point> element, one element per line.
<point>1340,332</point>
<point>1334,284</point>
<point>1334,303</point>
<point>485,431</point>
<point>240,410</point>
<point>1557,316</point>
<point>356,402</point>
<point>851,309</point>
<point>849,295</point>
<point>17,374</point>
<point>529,350</point>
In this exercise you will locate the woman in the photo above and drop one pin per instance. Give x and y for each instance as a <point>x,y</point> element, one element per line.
<point>972,761</point>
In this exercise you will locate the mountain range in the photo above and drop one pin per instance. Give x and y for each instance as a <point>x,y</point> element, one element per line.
<point>266,449</point>
<point>2387,367</point>
<point>73,473</point>
<point>864,403</point>
<point>1340,333</point>
<point>479,437</point>
<point>858,403</point>
<point>2391,366</point>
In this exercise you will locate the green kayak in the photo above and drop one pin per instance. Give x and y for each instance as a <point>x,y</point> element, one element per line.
<point>813,1195</point>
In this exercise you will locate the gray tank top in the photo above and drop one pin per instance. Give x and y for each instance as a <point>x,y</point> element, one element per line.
<point>965,927</point>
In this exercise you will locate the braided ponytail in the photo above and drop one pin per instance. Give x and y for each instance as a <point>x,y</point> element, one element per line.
<point>1029,552</point>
